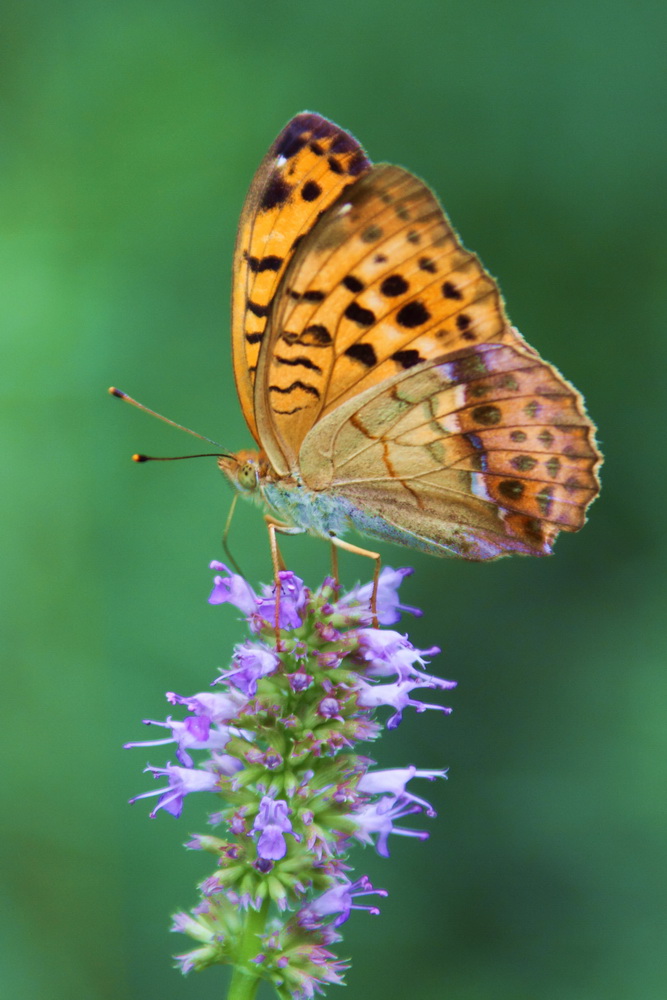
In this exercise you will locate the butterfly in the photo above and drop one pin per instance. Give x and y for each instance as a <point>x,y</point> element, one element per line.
<point>378,373</point>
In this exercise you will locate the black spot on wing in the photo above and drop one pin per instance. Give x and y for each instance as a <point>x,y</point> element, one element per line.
<point>426,264</point>
<point>352,284</point>
<point>276,192</point>
<point>407,358</point>
<point>450,291</point>
<point>315,335</point>
<point>259,264</point>
<point>357,313</point>
<point>394,285</point>
<point>298,384</point>
<point>533,529</point>
<point>363,353</point>
<point>312,295</point>
<point>523,463</point>
<point>511,489</point>
<point>486,415</point>
<point>412,314</point>
<point>318,334</point>
<point>372,234</point>
<point>301,362</point>
<point>545,500</point>
<point>310,191</point>
<point>254,338</point>
<point>256,309</point>
<point>469,367</point>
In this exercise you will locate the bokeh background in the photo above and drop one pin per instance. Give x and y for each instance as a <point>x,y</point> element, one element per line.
<point>130,133</point>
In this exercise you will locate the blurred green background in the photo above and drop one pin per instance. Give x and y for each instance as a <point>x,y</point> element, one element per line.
<point>130,133</point>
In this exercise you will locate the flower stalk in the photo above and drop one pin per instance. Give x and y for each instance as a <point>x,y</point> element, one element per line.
<point>245,979</point>
<point>275,742</point>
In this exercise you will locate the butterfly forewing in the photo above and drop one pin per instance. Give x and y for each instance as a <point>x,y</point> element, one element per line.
<point>482,452</point>
<point>305,170</point>
<point>381,284</point>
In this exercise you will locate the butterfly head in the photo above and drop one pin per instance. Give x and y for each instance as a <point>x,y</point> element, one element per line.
<point>244,470</point>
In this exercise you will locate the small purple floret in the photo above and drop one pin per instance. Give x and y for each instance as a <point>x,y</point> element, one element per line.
<point>251,661</point>
<point>338,900</point>
<point>389,607</point>
<point>272,821</point>
<point>378,818</point>
<point>182,781</point>
<point>232,589</point>
<point>293,596</point>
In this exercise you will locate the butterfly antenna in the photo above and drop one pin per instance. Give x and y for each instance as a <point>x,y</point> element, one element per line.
<point>178,458</point>
<point>140,406</point>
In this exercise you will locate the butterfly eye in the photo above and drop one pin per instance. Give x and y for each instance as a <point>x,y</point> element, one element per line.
<point>247,476</point>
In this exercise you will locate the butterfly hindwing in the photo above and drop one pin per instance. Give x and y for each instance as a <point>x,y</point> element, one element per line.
<point>484,451</point>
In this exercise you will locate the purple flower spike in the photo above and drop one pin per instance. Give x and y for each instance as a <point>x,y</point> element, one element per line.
<point>272,822</point>
<point>276,745</point>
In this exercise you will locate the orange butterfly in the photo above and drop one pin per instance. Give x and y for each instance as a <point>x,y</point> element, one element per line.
<point>379,374</point>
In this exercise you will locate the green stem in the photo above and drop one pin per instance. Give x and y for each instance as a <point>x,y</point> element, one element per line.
<point>245,979</point>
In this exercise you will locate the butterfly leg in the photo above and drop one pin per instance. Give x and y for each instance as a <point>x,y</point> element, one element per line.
<point>225,547</point>
<point>334,562</point>
<point>355,549</point>
<point>277,561</point>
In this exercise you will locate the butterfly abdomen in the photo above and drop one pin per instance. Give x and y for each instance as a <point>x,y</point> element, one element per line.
<point>318,513</point>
